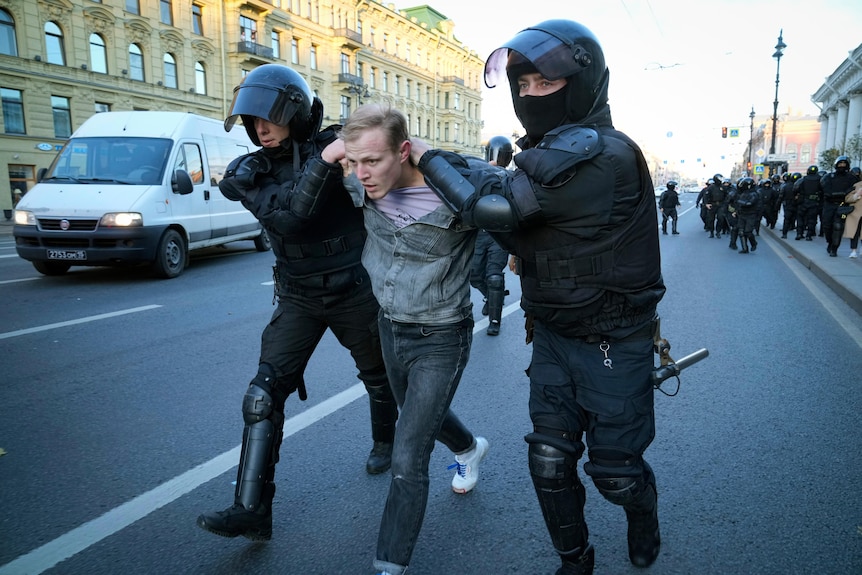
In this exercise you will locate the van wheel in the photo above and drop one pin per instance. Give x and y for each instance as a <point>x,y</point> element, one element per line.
<point>262,243</point>
<point>171,255</point>
<point>51,268</point>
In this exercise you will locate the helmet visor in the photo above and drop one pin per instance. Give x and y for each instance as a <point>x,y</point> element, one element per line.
<point>262,102</point>
<point>551,56</point>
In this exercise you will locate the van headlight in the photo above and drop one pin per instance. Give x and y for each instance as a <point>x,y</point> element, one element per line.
<point>24,218</point>
<point>122,220</point>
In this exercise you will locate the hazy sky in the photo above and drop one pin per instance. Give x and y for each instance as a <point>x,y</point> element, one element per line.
<point>680,67</point>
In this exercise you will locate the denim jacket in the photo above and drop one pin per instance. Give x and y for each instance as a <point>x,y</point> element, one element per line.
<point>420,273</point>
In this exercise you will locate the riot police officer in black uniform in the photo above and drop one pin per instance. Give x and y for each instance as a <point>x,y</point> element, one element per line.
<point>317,236</point>
<point>789,202</point>
<point>836,185</point>
<point>667,203</point>
<point>715,208</point>
<point>810,194</point>
<point>489,259</point>
<point>748,211</point>
<point>579,214</point>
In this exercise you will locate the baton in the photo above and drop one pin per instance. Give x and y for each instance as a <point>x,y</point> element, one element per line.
<point>673,369</point>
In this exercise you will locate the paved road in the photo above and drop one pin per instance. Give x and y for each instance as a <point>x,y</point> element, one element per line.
<point>120,429</point>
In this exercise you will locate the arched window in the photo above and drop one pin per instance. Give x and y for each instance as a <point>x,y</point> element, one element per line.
<point>136,63</point>
<point>98,54</point>
<point>200,78</point>
<point>54,50</point>
<point>170,71</point>
<point>8,41</point>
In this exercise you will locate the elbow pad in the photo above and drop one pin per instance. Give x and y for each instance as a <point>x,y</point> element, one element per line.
<point>494,213</point>
<point>313,188</point>
<point>445,181</point>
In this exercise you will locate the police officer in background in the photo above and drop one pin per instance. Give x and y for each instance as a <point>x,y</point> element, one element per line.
<point>714,201</point>
<point>810,199</point>
<point>489,259</point>
<point>317,237</point>
<point>579,214</point>
<point>667,203</point>
<point>836,185</point>
<point>700,204</point>
<point>789,200</point>
<point>747,204</point>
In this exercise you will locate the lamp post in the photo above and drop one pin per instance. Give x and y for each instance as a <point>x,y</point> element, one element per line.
<point>779,52</point>
<point>750,137</point>
<point>361,90</point>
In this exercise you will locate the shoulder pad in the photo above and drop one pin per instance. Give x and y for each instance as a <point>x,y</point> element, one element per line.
<point>559,152</point>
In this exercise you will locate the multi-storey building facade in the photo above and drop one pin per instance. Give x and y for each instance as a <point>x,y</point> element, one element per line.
<point>62,61</point>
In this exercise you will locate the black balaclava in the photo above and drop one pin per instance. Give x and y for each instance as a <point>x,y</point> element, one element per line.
<point>538,114</point>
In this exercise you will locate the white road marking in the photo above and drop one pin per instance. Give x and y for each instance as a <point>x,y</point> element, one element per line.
<point>30,330</point>
<point>73,542</point>
<point>19,280</point>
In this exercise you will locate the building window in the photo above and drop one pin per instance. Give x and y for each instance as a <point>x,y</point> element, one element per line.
<point>247,29</point>
<point>345,107</point>
<point>8,41</point>
<point>13,111</point>
<point>372,78</point>
<point>133,6</point>
<point>102,107</point>
<point>385,81</point>
<point>397,85</point>
<point>805,155</point>
<point>54,44</point>
<point>360,69</point>
<point>312,57</point>
<point>165,13</point>
<point>62,116</point>
<point>170,71</point>
<point>275,38</point>
<point>200,78</point>
<point>371,37</point>
<point>136,63</point>
<point>385,41</point>
<point>197,20</point>
<point>294,51</point>
<point>345,64</point>
<point>457,132</point>
<point>98,54</point>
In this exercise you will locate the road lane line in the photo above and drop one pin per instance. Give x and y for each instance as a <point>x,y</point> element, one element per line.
<point>73,542</point>
<point>19,280</point>
<point>30,330</point>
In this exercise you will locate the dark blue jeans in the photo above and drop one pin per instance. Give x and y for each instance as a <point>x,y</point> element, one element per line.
<point>424,364</point>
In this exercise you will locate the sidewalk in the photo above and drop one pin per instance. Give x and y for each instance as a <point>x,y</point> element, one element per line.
<point>842,274</point>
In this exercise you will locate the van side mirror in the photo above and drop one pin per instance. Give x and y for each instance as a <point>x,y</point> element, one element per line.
<point>40,174</point>
<point>181,183</point>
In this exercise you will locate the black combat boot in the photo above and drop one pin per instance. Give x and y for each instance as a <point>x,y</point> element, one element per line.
<point>643,534</point>
<point>744,241</point>
<point>673,227</point>
<point>496,294</point>
<point>753,243</point>
<point>380,458</point>
<point>237,520</point>
<point>578,563</point>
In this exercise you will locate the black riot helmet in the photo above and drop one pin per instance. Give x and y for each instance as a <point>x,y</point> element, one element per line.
<point>555,49</point>
<point>842,164</point>
<point>500,150</point>
<point>279,95</point>
<point>856,172</point>
<point>671,185</point>
<point>717,178</point>
<point>745,184</point>
<point>812,170</point>
<point>795,176</point>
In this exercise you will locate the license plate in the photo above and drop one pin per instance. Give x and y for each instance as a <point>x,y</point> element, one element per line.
<point>67,255</point>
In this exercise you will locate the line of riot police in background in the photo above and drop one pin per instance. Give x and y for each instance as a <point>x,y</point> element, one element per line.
<point>738,210</point>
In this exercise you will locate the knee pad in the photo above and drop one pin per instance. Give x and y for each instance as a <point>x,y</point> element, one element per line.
<point>620,475</point>
<point>553,458</point>
<point>257,405</point>
<point>496,281</point>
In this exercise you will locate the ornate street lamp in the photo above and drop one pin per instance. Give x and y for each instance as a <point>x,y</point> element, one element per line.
<point>750,139</point>
<point>779,52</point>
<point>361,91</point>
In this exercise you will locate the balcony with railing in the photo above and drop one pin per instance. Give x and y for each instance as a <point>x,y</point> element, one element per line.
<point>350,38</point>
<point>247,47</point>
<point>452,80</point>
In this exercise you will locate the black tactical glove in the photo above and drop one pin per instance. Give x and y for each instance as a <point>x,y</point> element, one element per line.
<point>240,176</point>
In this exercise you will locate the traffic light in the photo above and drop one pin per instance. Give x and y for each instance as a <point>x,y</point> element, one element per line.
<point>724,132</point>
<point>749,167</point>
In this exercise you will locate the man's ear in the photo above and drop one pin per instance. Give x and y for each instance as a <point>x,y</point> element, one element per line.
<point>404,151</point>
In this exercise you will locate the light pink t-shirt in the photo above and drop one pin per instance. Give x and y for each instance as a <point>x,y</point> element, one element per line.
<point>406,205</point>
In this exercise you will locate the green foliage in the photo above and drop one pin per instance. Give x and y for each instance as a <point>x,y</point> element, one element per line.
<point>853,149</point>
<point>827,158</point>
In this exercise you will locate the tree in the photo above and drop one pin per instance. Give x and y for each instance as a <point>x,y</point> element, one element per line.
<point>853,149</point>
<point>827,158</point>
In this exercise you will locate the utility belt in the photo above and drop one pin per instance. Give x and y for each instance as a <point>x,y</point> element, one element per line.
<point>814,198</point>
<point>329,247</point>
<point>645,332</point>
<point>545,269</point>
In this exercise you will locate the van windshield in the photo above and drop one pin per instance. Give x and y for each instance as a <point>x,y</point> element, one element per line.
<point>130,161</point>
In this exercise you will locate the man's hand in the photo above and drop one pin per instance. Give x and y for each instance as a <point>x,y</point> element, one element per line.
<point>334,153</point>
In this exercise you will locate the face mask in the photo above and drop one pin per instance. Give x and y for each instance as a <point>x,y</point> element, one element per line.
<point>842,168</point>
<point>541,114</point>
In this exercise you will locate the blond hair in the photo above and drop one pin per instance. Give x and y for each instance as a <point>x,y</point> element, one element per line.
<point>371,116</point>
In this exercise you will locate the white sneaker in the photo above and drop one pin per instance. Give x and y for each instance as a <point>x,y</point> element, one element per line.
<point>467,467</point>
<point>854,255</point>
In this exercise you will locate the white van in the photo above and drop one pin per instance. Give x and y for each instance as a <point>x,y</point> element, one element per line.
<point>135,187</point>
